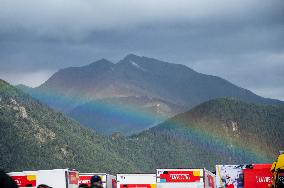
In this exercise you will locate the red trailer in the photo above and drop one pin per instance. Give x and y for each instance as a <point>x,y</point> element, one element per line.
<point>24,179</point>
<point>259,176</point>
<point>56,178</point>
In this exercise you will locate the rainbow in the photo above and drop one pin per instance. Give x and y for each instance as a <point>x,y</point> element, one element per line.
<point>220,143</point>
<point>217,143</point>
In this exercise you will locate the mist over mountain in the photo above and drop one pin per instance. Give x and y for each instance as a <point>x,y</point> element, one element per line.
<point>134,76</point>
<point>126,115</point>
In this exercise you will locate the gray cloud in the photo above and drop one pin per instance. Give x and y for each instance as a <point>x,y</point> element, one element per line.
<point>240,40</point>
<point>77,18</point>
<point>261,72</point>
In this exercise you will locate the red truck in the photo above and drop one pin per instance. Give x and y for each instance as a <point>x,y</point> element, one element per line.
<point>243,176</point>
<point>258,176</point>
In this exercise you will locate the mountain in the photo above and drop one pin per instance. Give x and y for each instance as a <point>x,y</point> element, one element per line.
<point>220,131</point>
<point>135,76</point>
<point>143,76</point>
<point>124,114</point>
<point>32,136</point>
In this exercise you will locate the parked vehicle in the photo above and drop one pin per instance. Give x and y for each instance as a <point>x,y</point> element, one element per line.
<point>109,181</point>
<point>231,176</point>
<point>278,171</point>
<point>185,178</point>
<point>136,180</point>
<point>24,179</point>
<point>257,175</point>
<point>56,178</point>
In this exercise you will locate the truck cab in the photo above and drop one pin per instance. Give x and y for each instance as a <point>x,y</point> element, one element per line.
<point>278,171</point>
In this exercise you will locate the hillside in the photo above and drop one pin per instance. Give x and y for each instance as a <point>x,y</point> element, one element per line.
<point>33,136</point>
<point>221,131</point>
<point>135,76</point>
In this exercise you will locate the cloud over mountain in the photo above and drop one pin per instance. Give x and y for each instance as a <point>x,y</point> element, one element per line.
<point>237,36</point>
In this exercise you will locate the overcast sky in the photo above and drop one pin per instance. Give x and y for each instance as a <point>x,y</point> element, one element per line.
<point>239,40</point>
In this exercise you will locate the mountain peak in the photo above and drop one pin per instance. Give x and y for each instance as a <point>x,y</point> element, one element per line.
<point>101,65</point>
<point>131,57</point>
<point>101,62</point>
<point>132,60</point>
<point>145,60</point>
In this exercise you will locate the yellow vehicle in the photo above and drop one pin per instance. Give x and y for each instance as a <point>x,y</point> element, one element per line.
<point>278,171</point>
